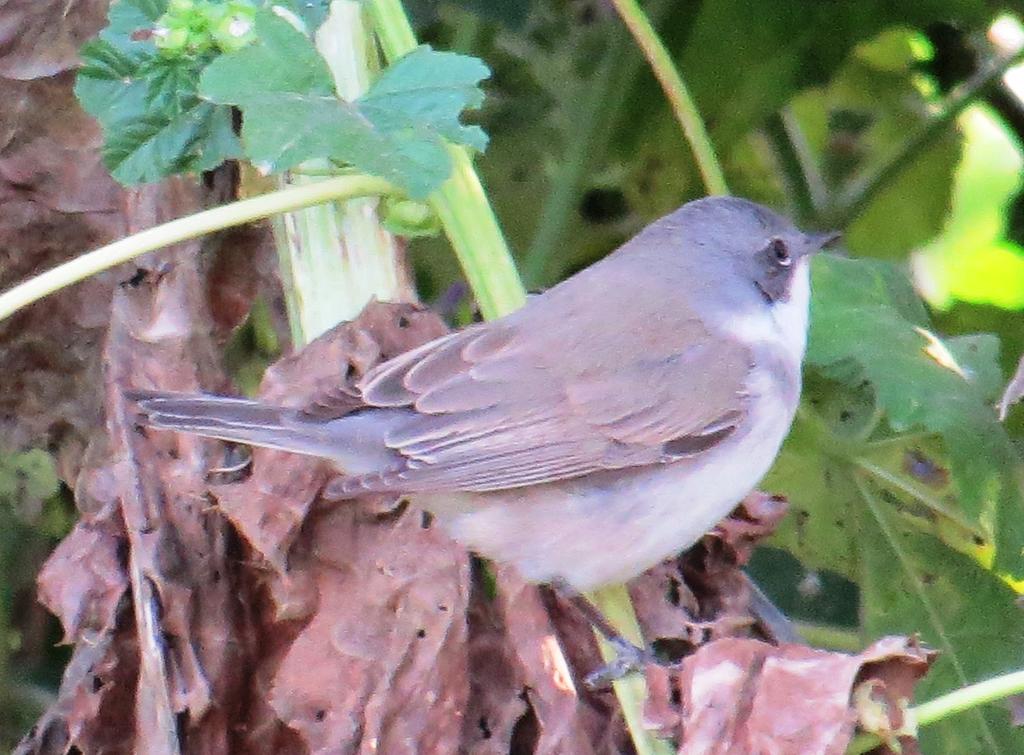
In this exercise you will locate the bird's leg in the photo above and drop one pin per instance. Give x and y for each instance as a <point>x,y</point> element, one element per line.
<point>628,657</point>
<point>773,622</point>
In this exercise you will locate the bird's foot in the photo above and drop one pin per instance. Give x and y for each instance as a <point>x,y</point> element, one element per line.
<point>629,659</point>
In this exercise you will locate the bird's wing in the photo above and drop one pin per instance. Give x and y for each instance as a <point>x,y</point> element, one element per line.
<point>496,406</point>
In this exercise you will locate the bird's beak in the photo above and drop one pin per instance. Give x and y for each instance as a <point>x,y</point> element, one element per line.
<point>822,240</point>
<point>815,242</point>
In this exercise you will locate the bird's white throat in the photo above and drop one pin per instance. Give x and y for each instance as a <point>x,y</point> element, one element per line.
<point>784,323</point>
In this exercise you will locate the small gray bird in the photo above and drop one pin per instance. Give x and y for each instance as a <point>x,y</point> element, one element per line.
<point>603,427</point>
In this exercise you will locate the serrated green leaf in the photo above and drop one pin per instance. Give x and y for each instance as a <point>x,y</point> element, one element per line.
<point>154,146</point>
<point>283,61</point>
<point>429,89</point>
<point>127,18</point>
<point>109,85</point>
<point>154,124</point>
<point>172,84</point>
<point>291,112</point>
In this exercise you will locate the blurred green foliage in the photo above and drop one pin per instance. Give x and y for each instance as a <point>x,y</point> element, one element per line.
<point>33,517</point>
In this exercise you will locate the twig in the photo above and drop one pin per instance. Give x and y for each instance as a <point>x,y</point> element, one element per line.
<point>830,637</point>
<point>861,190</point>
<point>183,229</point>
<point>677,93</point>
<point>631,690</point>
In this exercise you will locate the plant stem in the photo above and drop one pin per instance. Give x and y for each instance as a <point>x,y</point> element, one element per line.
<point>677,93</point>
<point>337,256</point>
<point>461,203</point>
<point>861,190</point>
<point>631,690</point>
<point>957,701</point>
<point>831,637</point>
<point>190,227</point>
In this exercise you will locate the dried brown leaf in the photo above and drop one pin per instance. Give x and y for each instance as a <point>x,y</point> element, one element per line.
<point>380,666</point>
<point>743,695</point>
<point>83,581</point>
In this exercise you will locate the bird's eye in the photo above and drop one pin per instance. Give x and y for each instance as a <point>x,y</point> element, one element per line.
<point>779,253</point>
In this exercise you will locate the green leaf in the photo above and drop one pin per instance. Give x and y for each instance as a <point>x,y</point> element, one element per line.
<point>899,478</point>
<point>397,130</point>
<point>129,17</point>
<point>860,314</point>
<point>910,583</point>
<point>154,124</point>
<point>109,84</point>
<point>428,89</point>
<point>151,147</point>
<point>282,62</point>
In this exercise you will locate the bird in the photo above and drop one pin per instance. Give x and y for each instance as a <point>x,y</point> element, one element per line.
<point>606,425</point>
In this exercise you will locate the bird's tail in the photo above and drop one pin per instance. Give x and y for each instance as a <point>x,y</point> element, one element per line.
<point>242,421</point>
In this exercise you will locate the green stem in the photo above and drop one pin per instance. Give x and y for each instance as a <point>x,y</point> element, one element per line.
<point>461,203</point>
<point>190,227</point>
<point>861,190</point>
<point>614,602</point>
<point>957,701</point>
<point>467,32</point>
<point>677,93</point>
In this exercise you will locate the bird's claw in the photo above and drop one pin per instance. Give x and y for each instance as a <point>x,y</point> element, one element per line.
<point>628,659</point>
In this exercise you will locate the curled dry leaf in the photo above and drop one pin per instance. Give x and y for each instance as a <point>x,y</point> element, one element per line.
<point>704,595</point>
<point>744,695</point>
<point>83,581</point>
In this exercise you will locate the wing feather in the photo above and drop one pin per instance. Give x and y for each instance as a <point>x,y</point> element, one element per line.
<point>489,408</point>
